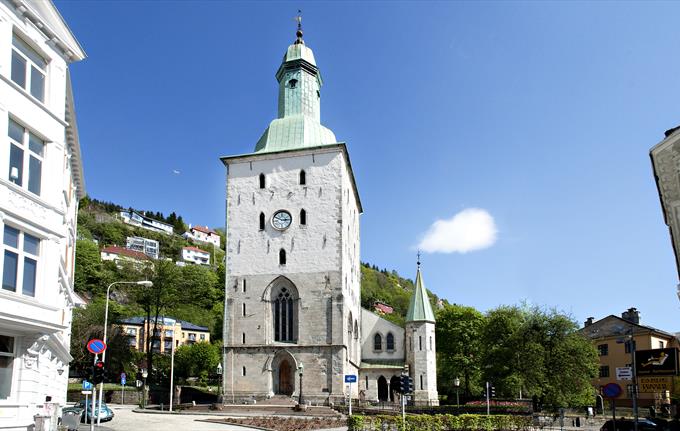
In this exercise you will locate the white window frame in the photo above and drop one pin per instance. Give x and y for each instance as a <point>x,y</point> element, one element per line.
<point>24,146</point>
<point>31,64</point>
<point>13,383</point>
<point>21,255</point>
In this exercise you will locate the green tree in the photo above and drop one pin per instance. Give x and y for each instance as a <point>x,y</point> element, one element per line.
<point>89,272</point>
<point>460,355</point>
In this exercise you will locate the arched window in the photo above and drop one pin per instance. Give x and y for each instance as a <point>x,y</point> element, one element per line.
<point>261,221</point>
<point>284,312</point>
<point>262,183</point>
<point>292,83</point>
<point>356,330</point>
<point>282,257</point>
<point>244,371</point>
<point>303,178</point>
<point>303,217</point>
<point>377,342</point>
<point>390,341</point>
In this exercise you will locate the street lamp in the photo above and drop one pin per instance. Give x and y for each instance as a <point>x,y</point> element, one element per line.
<point>456,383</point>
<point>145,374</point>
<point>145,283</point>
<point>219,390</point>
<point>300,371</point>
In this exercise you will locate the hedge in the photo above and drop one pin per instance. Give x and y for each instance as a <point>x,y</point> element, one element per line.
<point>439,423</point>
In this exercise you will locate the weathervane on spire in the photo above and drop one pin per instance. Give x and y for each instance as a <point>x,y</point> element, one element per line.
<point>298,18</point>
<point>418,261</point>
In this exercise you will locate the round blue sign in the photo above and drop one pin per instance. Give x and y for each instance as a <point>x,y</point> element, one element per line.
<point>96,346</point>
<point>611,390</point>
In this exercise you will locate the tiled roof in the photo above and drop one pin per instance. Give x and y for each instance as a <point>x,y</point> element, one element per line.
<point>196,249</point>
<point>204,229</point>
<point>383,308</point>
<point>113,249</point>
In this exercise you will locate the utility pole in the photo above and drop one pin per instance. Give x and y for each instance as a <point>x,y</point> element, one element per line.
<point>488,405</point>
<point>634,387</point>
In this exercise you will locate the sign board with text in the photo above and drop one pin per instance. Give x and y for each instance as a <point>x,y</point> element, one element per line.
<point>656,362</point>
<point>624,373</point>
<point>655,384</point>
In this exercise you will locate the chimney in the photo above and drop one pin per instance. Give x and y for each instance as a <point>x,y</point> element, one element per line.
<point>588,322</point>
<point>631,315</point>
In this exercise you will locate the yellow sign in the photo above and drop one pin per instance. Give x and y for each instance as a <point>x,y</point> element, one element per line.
<point>655,384</point>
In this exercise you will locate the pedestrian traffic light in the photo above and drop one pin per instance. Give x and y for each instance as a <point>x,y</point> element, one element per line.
<point>98,372</point>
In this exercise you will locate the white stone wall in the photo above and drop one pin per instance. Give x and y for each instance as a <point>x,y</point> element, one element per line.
<point>372,324</point>
<point>421,356</point>
<point>41,324</point>
<point>316,259</point>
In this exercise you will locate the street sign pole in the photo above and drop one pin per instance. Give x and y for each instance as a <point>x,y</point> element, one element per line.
<point>488,408</point>
<point>350,398</point>
<point>92,401</point>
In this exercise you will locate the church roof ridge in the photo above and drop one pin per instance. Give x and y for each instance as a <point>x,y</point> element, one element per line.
<point>419,309</point>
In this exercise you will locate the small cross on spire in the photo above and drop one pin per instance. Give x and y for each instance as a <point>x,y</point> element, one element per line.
<point>298,18</point>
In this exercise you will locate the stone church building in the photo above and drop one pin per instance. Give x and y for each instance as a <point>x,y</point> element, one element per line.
<point>292,294</point>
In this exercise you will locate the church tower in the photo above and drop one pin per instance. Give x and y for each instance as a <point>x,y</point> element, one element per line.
<point>292,294</point>
<point>421,352</point>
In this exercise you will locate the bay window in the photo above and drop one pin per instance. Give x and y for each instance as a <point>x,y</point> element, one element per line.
<point>21,253</point>
<point>26,151</point>
<point>28,68</point>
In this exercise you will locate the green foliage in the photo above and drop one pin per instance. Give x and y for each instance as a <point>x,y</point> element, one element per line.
<point>197,360</point>
<point>463,422</point>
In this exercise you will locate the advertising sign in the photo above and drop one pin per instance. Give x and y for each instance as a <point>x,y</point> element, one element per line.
<point>656,362</point>
<point>654,384</point>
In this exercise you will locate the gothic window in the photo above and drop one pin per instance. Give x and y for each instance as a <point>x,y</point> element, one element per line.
<point>261,221</point>
<point>285,316</point>
<point>377,342</point>
<point>282,257</point>
<point>303,217</point>
<point>244,338</point>
<point>292,83</point>
<point>262,183</point>
<point>390,341</point>
<point>420,343</point>
<point>303,178</point>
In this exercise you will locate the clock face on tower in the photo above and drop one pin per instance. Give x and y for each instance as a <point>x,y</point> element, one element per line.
<point>281,220</point>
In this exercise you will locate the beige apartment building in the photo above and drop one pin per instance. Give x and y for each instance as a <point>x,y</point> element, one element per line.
<point>612,336</point>
<point>170,332</point>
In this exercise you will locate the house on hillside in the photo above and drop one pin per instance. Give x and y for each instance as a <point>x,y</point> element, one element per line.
<point>169,330</point>
<point>147,246</point>
<point>135,219</point>
<point>121,254</point>
<point>195,255</point>
<point>202,234</point>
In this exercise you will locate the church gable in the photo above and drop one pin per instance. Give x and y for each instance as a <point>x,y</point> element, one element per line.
<point>381,339</point>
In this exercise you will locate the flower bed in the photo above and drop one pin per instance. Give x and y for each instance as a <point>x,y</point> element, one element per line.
<point>440,423</point>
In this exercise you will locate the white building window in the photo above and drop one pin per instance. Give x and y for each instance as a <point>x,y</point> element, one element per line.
<point>28,68</point>
<point>25,157</point>
<point>6,365</point>
<point>20,261</point>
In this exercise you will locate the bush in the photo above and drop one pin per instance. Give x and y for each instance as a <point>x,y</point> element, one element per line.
<point>440,423</point>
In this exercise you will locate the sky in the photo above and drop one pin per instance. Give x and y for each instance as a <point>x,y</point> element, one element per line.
<point>507,140</point>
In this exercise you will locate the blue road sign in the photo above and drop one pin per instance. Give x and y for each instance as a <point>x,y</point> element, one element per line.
<point>350,378</point>
<point>96,346</point>
<point>87,386</point>
<point>123,381</point>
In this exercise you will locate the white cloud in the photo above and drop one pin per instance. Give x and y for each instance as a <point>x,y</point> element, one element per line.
<point>469,230</point>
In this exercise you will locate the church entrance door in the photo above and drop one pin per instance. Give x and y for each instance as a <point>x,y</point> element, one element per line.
<point>382,389</point>
<point>286,376</point>
<point>395,384</point>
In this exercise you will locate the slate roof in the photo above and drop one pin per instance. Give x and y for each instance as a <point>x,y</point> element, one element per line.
<point>612,326</point>
<point>420,310</point>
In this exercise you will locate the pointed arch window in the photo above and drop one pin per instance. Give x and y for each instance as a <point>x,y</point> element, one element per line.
<point>262,181</point>
<point>292,83</point>
<point>377,342</point>
<point>390,341</point>
<point>303,217</point>
<point>303,177</point>
<point>261,221</point>
<point>282,257</point>
<point>284,298</point>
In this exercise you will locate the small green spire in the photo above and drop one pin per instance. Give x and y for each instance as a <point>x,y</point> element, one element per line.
<point>420,310</point>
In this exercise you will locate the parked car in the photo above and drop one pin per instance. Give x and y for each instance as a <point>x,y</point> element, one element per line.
<point>628,425</point>
<point>85,411</point>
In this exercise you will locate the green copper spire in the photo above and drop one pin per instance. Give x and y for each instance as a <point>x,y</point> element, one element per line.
<point>419,310</point>
<point>299,118</point>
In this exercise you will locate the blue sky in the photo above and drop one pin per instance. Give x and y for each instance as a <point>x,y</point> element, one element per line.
<point>541,114</point>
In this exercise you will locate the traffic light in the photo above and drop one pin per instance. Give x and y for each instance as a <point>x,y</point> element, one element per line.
<point>492,391</point>
<point>410,385</point>
<point>405,384</point>
<point>98,372</point>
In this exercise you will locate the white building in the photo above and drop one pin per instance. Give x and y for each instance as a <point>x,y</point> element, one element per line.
<point>147,246</point>
<point>136,219</point>
<point>195,255</point>
<point>117,254</point>
<point>41,181</point>
<point>202,234</point>
<point>292,293</point>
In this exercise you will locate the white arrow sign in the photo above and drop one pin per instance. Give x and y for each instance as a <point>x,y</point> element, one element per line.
<point>624,373</point>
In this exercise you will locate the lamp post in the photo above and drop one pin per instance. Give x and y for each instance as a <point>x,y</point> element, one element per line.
<point>145,374</point>
<point>220,399</point>
<point>301,371</point>
<point>456,383</point>
<point>145,283</point>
